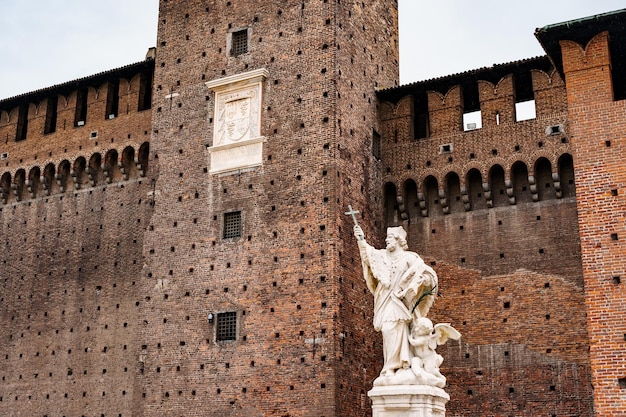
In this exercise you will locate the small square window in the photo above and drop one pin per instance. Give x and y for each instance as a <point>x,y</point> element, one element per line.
<point>226,326</point>
<point>239,42</point>
<point>232,224</point>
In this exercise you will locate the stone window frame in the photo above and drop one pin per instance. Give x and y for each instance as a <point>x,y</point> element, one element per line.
<point>230,319</point>
<point>235,39</point>
<point>228,229</point>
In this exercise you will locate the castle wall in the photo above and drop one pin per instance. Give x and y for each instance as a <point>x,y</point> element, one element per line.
<point>494,211</point>
<point>73,209</point>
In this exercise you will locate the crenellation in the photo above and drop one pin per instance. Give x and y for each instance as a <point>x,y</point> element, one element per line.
<point>140,258</point>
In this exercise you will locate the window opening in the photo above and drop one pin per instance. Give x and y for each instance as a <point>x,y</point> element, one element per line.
<point>22,123</point>
<point>232,225</point>
<point>145,91</point>
<point>226,326</point>
<point>239,42</point>
<point>80,114</point>
<point>525,110</point>
<point>472,121</point>
<point>113,91</point>
<point>50,125</point>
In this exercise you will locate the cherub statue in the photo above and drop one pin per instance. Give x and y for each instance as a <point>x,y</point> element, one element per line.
<point>424,339</point>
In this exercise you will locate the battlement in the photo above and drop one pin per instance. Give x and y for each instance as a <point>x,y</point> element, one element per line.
<point>79,117</point>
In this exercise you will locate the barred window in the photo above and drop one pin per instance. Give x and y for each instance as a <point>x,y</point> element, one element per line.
<point>239,42</point>
<point>226,326</point>
<point>232,224</point>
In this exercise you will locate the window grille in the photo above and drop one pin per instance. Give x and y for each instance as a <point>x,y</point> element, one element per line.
<point>232,224</point>
<point>239,42</point>
<point>226,326</point>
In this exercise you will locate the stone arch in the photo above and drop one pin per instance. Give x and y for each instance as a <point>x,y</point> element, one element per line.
<point>109,167</point>
<point>411,199</point>
<point>391,214</point>
<point>543,176</point>
<point>127,163</point>
<point>32,183</point>
<point>63,174</point>
<point>18,184</point>
<point>94,169</point>
<point>453,193</point>
<point>5,187</point>
<point>521,186</point>
<point>497,186</point>
<point>431,196</point>
<point>78,173</point>
<point>566,174</point>
<point>47,179</point>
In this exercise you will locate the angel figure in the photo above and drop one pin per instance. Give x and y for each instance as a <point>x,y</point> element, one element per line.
<point>424,339</point>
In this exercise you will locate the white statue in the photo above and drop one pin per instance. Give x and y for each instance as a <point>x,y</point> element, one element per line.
<point>404,289</point>
<point>424,338</point>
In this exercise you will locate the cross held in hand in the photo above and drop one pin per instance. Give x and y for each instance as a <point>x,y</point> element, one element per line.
<point>352,213</point>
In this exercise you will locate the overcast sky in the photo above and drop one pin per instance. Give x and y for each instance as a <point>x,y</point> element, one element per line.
<point>48,42</point>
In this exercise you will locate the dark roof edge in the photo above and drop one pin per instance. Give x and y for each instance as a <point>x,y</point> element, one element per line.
<point>567,24</point>
<point>72,85</point>
<point>467,73</point>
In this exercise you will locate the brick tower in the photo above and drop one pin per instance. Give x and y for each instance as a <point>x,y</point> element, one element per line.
<point>590,53</point>
<point>264,130</point>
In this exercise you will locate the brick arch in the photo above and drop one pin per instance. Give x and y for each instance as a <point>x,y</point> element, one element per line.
<point>497,186</point>
<point>110,169</point>
<point>94,169</point>
<point>474,186</point>
<point>521,185</point>
<point>5,187</point>
<point>126,163</point>
<point>142,157</point>
<point>543,176</point>
<point>4,117</point>
<point>32,182</point>
<point>453,193</point>
<point>430,188</point>
<point>79,172</point>
<point>47,180</point>
<point>404,106</point>
<point>386,110</point>
<point>19,181</point>
<point>411,200</point>
<point>63,175</point>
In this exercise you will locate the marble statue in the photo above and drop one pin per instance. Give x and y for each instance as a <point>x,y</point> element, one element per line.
<point>424,339</point>
<point>404,289</point>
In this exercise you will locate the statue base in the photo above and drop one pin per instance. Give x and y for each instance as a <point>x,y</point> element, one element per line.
<point>408,401</point>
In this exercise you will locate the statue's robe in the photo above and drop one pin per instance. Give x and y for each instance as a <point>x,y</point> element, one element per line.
<point>396,279</point>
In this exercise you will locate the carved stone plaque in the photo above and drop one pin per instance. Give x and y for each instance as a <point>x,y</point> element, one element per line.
<point>237,141</point>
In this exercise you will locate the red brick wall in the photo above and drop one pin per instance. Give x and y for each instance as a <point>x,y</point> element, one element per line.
<point>294,275</point>
<point>598,129</point>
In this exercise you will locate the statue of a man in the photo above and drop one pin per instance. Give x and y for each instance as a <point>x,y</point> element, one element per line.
<point>404,289</point>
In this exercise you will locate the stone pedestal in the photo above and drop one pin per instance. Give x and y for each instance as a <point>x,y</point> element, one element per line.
<point>408,401</point>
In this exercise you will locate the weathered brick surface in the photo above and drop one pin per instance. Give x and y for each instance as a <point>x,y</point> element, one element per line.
<point>110,268</point>
<point>508,254</point>
<point>599,133</point>
<point>305,346</point>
